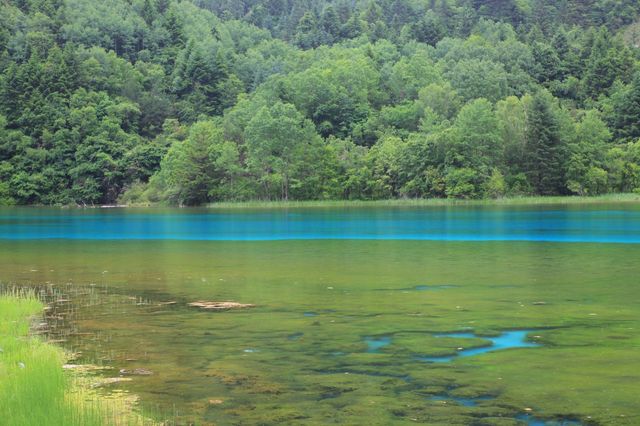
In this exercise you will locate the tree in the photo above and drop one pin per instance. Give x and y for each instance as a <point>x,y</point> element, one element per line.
<point>626,115</point>
<point>279,140</point>
<point>307,32</point>
<point>429,29</point>
<point>544,149</point>
<point>473,78</point>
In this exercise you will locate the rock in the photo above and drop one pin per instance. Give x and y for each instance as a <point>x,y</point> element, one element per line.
<point>215,401</point>
<point>136,372</point>
<point>539,303</point>
<point>220,306</point>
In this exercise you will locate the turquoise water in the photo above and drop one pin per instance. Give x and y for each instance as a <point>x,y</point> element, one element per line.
<point>374,344</point>
<point>477,223</point>
<point>507,340</point>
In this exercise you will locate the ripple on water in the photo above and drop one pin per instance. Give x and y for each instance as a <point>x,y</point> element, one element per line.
<point>507,340</point>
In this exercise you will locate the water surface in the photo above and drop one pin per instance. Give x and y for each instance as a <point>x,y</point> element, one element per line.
<point>619,224</point>
<point>346,304</point>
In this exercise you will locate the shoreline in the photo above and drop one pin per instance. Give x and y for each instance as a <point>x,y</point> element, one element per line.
<point>435,202</point>
<point>400,202</point>
<point>36,388</point>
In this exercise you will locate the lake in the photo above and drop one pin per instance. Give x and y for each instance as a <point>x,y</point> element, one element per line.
<point>370,315</point>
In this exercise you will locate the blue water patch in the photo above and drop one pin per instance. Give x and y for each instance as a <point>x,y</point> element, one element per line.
<point>608,224</point>
<point>531,420</point>
<point>310,314</point>
<point>374,344</point>
<point>507,340</point>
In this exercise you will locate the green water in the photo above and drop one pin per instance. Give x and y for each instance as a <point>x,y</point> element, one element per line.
<point>303,355</point>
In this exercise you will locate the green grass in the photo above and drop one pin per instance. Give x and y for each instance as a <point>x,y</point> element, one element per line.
<point>34,389</point>
<point>610,198</point>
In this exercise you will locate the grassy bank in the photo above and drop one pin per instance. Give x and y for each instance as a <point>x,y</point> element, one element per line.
<point>34,389</point>
<point>568,200</point>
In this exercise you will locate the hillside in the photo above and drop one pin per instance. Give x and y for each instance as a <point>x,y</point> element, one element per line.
<point>188,102</point>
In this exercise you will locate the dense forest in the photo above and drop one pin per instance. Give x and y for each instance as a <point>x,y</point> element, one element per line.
<point>188,102</point>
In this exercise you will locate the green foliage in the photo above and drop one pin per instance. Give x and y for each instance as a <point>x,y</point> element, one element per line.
<point>191,102</point>
<point>34,387</point>
<point>544,148</point>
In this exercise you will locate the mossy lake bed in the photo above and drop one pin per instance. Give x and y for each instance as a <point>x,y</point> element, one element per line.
<point>350,331</point>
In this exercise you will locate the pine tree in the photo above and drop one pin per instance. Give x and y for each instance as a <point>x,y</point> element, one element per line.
<point>627,111</point>
<point>544,151</point>
<point>148,12</point>
<point>330,24</point>
<point>307,33</point>
<point>174,26</point>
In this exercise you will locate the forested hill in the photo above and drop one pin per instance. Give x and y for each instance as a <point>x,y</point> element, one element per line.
<point>191,102</point>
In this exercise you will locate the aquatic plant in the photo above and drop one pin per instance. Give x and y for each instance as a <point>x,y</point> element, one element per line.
<point>35,390</point>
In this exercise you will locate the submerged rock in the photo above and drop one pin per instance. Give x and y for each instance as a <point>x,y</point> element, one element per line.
<point>220,306</point>
<point>136,372</point>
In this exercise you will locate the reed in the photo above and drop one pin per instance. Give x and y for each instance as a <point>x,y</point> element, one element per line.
<point>34,389</point>
<point>409,202</point>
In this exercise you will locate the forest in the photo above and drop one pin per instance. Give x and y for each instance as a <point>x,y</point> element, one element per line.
<point>192,102</point>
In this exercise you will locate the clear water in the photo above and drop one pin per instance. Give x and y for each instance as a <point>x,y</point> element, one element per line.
<point>344,309</point>
<point>374,344</point>
<point>563,224</point>
<point>507,340</point>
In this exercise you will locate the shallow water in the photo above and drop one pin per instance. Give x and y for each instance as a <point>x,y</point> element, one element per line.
<point>339,324</point>
<point>507,340</point>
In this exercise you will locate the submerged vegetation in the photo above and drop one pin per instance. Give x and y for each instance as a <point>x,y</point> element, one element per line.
<point>191,102</point>
<point>35,390</point>
<point>343,331</point>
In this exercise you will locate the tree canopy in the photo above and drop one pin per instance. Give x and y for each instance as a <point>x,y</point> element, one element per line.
<point>189,102</point>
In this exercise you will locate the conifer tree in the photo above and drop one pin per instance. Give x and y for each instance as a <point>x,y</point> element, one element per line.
<point>544,150</point>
